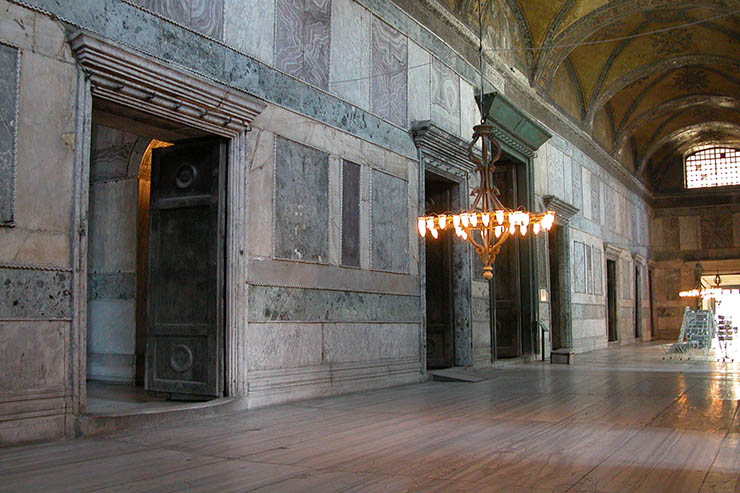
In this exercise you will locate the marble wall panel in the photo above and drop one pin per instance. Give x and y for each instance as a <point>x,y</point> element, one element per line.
<point>626,279</point>
<point>350,52</point>
<point>110,152</point>
<point>577,184</point>
<point>350,214</point>
<point>579,267</point>
<point>249,26</point>
<point>555,170</point>
<point>672,284</point>
<point>207,17</point>
<point>589,270</point>
<point>203,16</point>
<point>689,232</point>
<point>111,326</point>
<point>481,309</point>
<point>34,355</point>
<point>595,199</point>
<point>388,70</point>
<point>419,84</point>
<point>269,303</point>
<point>586,210</point>
<point>445,92</point>
<point>35,294</point>
<point>111,286</point>
<point>672,233</point>
<point>8,124</point>
<point>399,341</point>
<point>112,226</point>
<point>261,183</point>
<point>302,37</point>
<point>469,111</point>
<point>612,217</point>
<point>736,228</point>
<point>350,342</point>
<point>390,221</point>
<point>632,222</point>
<point>301,202</point>
<point>283,345</point>
<point>598,273</point>
<point>716,228</point>
<point>543,269</point>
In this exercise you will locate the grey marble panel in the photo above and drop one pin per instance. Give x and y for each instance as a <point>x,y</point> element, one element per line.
<point>110,151</point>
<point>445,93</point>
<point>350,52</point>
<point>8,124</point>
<point>598,273</point>
<point>577,184</point>
<point>388,70</point>
<point>316,39</point>
<point>301,202</point>
<point>176,10</point>
<point>481,309</point>
<point>350,214</point>
<point>595,199</point>
<point>207,17</point>
<point>542,261</point>
<point>390,223</point>
<point>627,279</point>
<point>35,294</point>
<point>271,303</point>
<point>289,20</point>
<point>672,234</point>
<point>589,312</point>
<point>249,26</point>
<point>579,267</point>
<point>111,286</point>
<point>302,39</point>
<point>589,271</point>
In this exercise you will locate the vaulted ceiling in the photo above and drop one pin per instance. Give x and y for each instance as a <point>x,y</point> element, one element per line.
<point>649,79</point>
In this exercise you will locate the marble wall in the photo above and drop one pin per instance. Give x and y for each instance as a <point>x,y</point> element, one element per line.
<point>684,237</point>
<point>35,260</point>
<point>334,294</point>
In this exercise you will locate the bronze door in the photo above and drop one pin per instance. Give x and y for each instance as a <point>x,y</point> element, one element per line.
<point>507,277</point>
<point>440,332</point>
<point>186,270</point>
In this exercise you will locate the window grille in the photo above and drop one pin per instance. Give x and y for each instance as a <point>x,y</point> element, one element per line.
<point>715,167</point>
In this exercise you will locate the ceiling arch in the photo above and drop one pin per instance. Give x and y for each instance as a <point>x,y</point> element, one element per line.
<point>629,72</point>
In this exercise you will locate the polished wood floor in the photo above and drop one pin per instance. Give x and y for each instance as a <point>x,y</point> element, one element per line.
<point>619,420</point>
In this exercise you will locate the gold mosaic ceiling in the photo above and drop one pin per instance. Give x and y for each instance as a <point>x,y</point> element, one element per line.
<point>650,79</point>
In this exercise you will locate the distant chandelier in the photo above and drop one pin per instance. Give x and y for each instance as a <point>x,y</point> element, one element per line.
<point>489,223</point>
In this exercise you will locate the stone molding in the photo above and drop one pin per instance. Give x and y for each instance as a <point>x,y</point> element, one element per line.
<point>612,251</point>
<point>563,210</point>
<point>444,150</point>
<point>140,82</point>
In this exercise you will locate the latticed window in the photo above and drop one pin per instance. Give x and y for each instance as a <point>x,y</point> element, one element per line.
<point>715,167</point>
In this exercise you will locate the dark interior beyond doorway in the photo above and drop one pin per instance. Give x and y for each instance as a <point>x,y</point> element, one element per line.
<point>440,337</point>
<point>611,299</point>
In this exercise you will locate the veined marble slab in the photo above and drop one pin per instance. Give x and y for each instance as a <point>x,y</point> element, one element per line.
<point>388,70</point>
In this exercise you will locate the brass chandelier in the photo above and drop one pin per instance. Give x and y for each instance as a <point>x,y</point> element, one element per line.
<point>489,223</point>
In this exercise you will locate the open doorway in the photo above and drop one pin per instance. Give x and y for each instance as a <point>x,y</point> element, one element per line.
<point>611,299</point>
<point>638,303</point>
<point>440,315</point>
<point>155,262</point>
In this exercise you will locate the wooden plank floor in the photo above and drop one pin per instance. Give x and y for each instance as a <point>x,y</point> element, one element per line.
<point>619,420</point>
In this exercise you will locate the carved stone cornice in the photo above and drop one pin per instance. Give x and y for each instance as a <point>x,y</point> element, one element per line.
<point>511,126</point>
<point>134,80</point>
<point>443,148</point>
<point>612,251</point>
<point>563,210</point>
<point>639,259</point>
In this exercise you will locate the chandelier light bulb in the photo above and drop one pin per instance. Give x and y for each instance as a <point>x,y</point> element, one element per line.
<point>500,217</point>
<point>434,233</point>
<point>465,220</point>
<point>512,228</point>
<point>430,223</point>
<point>442,220</point>
<point>422,226</point>
<point>486,218</point>
<point>497,231</point>
<point>536,228</point>
<point>456,221</point>
<point>464,235</point>
<point>522,229</point>
<point>474,219</point>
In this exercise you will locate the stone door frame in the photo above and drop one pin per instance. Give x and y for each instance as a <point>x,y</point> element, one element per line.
<point>113,73</point>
